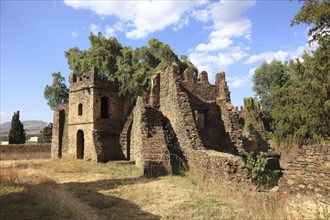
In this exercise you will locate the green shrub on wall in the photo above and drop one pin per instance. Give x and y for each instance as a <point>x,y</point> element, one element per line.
<point>256,164</point>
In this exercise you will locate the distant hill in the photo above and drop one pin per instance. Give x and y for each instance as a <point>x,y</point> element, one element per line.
<point>28,125</point>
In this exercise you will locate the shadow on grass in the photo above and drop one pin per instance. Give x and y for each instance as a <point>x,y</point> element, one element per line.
<point>73,200</point>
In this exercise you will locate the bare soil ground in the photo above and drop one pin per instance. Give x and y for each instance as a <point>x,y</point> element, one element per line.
<point>60,189</point>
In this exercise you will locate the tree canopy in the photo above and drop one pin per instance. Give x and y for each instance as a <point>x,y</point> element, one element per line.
<point>266,78</point>
<point>16,133</point>
<point>295,96</point>
<point>132,67</point>
<point>57,93</point>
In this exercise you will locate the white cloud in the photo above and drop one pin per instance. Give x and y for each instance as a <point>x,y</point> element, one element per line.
<point>144,17</point>
<point>237,82</point>
<point>221,50</point>
<point>268,56</point>
<point>94,28</point>
<point>74,34</point>
<point>201,15</point>
<point>280,55</point>
<point>213,62</point>
<point>240,81</point>
<point>181,24</point>
<point>109,31</point>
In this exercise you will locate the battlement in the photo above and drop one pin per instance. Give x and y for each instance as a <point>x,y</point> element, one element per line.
<point>92,80</point>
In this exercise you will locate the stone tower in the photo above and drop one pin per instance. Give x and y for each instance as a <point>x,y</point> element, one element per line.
<point>96,115</point>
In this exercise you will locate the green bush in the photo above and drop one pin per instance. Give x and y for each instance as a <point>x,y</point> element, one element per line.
<point>256,164</point>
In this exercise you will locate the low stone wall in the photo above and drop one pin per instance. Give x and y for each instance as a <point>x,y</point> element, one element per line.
<point>308,172</point>
<point>25,151</point>
<point>217,167</point>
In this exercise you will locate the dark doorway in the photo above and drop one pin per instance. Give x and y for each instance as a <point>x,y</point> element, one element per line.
<point>80,144</point>
<point>61,131</point>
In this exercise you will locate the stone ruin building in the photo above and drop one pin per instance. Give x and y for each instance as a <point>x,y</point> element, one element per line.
<point>184,123</point>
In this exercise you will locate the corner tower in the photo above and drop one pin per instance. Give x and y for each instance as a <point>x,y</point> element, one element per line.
<point>96,114</point>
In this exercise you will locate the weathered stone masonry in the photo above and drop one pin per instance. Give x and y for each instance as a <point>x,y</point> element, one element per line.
<point>309,172</point>
<point>185,120</point>
<point>92,120</point>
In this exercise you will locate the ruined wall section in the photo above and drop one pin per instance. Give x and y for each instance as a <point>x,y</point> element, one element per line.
<point>200,88</point>
<point>59,145</point>
<point>209,165</point>
<point>229,114</point>
<point>308,173</point>
<point>148,141</point>
<point>125,137</point>
<point>207,114</point>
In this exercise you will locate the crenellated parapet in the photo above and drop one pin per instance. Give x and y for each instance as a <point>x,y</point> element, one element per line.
<point>92,80</point>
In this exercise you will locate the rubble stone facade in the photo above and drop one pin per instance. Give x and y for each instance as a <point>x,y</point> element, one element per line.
<point>89,126</point>
<point>308,173</point>
<point>183,122</point>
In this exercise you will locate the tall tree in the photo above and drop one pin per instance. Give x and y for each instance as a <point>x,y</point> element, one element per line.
<point>58,92</point>
<point>315,13</point>
<point>47,133</point>
<point>265,79</point>
<point>16,133</point>
<point>301,106</point>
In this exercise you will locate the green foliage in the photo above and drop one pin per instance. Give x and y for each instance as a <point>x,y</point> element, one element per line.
<point>298,102</point>
<point>132,68</point>
<point>253,123</point>
<point>102,54</point>
<point>317,14</point>
<point>47,133</point>
<point>57,93</point>
<point>16,133</point>
<point>301,107</point>
<point>265,79</point>
<point>256,164</point>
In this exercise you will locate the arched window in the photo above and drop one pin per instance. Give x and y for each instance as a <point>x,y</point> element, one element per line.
<point>104,107</point>
<point>80,111</point>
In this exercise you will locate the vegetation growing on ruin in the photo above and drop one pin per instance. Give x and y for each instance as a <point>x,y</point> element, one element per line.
<point>257,166</point>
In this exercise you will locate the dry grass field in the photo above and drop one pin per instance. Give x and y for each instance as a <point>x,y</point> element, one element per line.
<point>60,189</point>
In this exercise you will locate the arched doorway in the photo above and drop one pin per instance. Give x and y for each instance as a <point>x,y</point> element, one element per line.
<point>80,144</point>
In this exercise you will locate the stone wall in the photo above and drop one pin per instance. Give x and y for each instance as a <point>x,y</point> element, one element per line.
<point>229,114</point>
<point>207,164</point>
<point>148,141</point>
<point>60,137</point>
<point>308,172</point>
<point>25,151</point>
<point>94,117</point>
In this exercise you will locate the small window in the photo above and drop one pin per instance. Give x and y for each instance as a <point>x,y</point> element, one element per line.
<point>200,118</point>
<point>80,109</point>
<point>104,107</point>
<point>74,78</point>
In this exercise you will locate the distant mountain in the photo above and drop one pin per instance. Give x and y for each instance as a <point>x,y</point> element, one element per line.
<point>28,125</point>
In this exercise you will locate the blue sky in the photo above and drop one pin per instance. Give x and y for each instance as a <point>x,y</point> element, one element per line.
<point>234,36</point>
